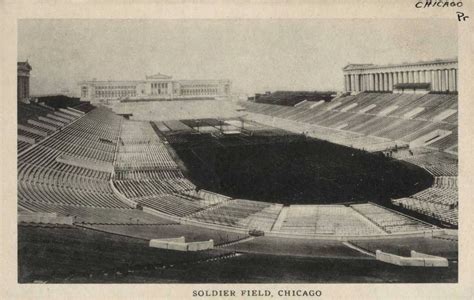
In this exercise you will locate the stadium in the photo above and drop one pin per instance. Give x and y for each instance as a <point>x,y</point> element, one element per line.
<point>355,186</point>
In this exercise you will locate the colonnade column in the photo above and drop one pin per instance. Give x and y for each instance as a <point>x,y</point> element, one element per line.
<point>372,82</point>
<point>440,80</point>
<point>380,82</point>
<point>455,80</point>
<point>451,80</point>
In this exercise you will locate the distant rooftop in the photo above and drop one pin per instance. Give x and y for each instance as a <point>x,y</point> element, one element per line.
<point>158,76</point>
<point>373,66</point>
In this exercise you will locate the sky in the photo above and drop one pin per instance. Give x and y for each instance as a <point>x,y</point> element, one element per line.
<point>256,55</point>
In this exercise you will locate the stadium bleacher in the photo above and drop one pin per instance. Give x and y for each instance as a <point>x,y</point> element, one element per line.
<point>47,185</point>
<point>146,173</point>
<point>390,221</point>
<point>399,118</point>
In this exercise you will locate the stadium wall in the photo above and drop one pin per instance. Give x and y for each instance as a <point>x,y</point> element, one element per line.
<point>415,260</point>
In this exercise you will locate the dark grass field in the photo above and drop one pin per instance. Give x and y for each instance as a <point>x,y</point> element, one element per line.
<point>300,171</point>
<point>72,255</point>
<point>54,253</point>
<point>299,247</point>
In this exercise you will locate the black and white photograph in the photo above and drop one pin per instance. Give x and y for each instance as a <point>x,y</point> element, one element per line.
<point>237,151</point>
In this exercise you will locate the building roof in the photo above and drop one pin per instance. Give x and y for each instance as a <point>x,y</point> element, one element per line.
<point>158,76</point>
<point>357,66</point>
<point>372,66</point>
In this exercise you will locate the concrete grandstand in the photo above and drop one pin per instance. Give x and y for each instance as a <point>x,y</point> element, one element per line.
<point>128,178</point>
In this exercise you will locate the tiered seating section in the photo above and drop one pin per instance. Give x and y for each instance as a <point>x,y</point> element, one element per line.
<point>400,118</point>
<point>47,185</point>
<point>355,220</point>
<point>37,121</point>
<point>143,166</point>
<point>437,163</point>
<point>241,213</point>
<point>439,202</point>
<point>327,220</point>
<point>146,173</point>
<point>390,221</point>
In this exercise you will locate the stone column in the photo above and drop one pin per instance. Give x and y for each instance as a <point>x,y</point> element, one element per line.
<point>442,82</point>
<point>448,80</point>
<point>422,76</point>
<point>432,80</point>
<point>380,82</point>
<point>377,82</point>
<point>451,80</point>
<point>389,81</point>
<point>437,81</point>
<point>372,81</point>
<point>455,80</point>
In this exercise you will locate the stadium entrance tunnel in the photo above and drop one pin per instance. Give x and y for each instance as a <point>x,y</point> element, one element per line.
<point>292,169</point>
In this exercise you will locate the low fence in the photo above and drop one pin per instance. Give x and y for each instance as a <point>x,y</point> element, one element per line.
<point>416,259</point>
<point>179,244</point>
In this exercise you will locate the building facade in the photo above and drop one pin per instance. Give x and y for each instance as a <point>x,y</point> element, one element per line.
<point>157,86</point>
<point>23,80</point>
<point>441,75</point>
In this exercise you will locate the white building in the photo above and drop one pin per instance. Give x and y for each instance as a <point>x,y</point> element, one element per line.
<point>441,75</point>
<point>157,86</point>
